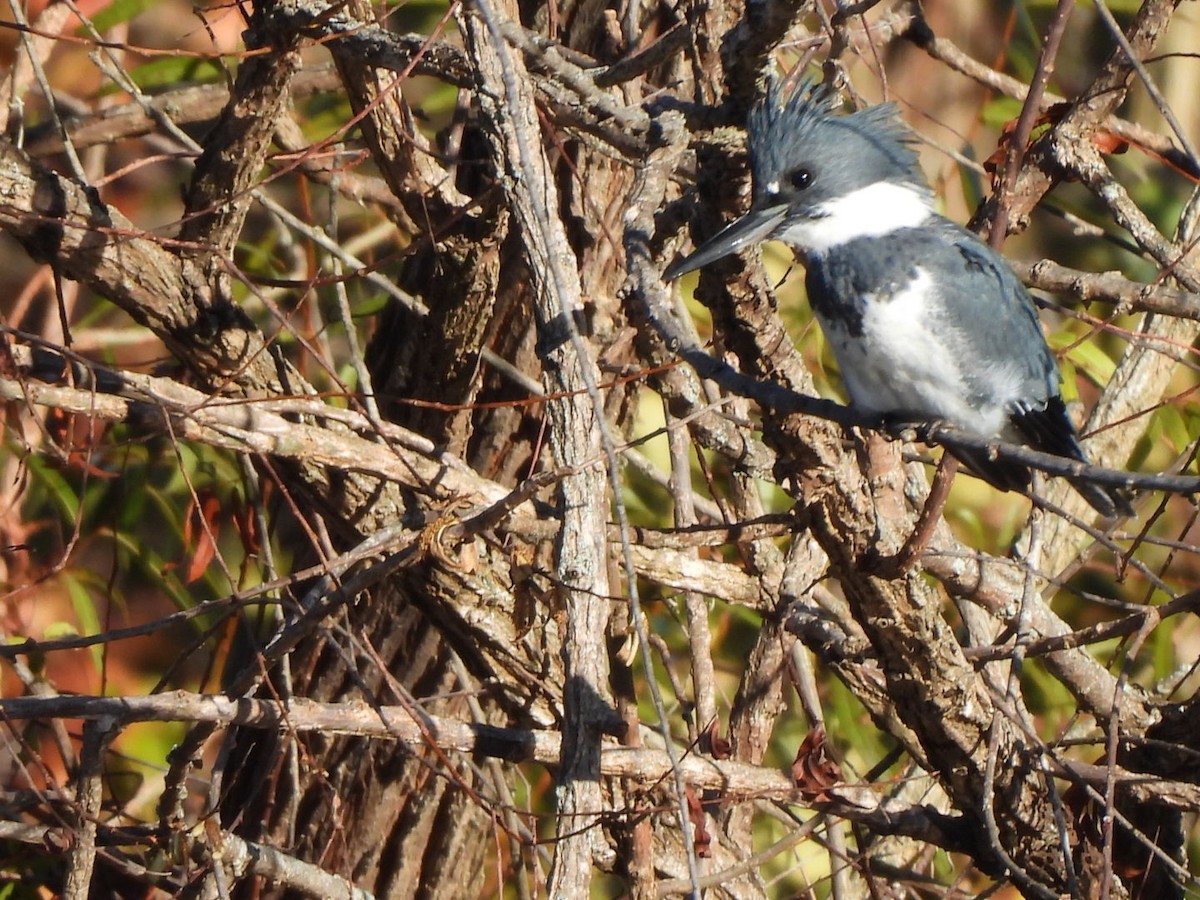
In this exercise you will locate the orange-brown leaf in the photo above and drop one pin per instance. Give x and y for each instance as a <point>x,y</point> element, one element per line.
<point>815,770</point>
<point>205,545</point>
<point>701,839</point>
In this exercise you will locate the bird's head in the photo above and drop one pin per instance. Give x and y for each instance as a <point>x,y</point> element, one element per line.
<point>820,178</point>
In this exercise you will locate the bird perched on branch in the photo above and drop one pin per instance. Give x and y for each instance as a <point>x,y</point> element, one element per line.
<point>927,322</point>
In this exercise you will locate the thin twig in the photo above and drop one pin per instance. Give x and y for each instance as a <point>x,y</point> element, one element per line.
<point>89,791</point>
<point>1015,152</point>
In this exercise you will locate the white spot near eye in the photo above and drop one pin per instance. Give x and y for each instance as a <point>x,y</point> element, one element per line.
<point>772,188</point>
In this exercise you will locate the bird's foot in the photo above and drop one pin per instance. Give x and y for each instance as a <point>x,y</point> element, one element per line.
<point>907,427</point>
<point>926,430</point>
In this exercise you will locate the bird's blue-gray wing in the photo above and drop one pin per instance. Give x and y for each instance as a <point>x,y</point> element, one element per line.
<point>1012,330</point>
<point>1011,362</point>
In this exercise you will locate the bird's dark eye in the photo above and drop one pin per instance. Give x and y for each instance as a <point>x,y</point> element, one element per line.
<point>800,178</point>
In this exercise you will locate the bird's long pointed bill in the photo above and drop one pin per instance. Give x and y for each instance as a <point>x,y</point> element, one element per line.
<point>753,228</point>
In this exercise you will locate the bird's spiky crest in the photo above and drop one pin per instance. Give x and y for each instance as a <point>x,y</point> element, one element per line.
<point>783,121</point>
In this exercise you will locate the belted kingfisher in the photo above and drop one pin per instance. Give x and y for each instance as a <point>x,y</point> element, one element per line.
<point>927,322</point>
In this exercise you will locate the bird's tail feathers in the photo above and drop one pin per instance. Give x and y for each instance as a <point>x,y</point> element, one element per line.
<point>1002,475</point>
<point>1108,501</point>
<point>1008,476</point>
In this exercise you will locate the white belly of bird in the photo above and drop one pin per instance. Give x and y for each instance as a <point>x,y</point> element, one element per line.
<point>906,363</point>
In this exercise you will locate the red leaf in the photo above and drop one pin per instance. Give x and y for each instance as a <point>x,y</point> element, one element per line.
<point>814,770</point>
<point>206,548</point>
<point>701,839</point>
<point>1109,142</point>
<point>712,743</point>
<point>79,436</point>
